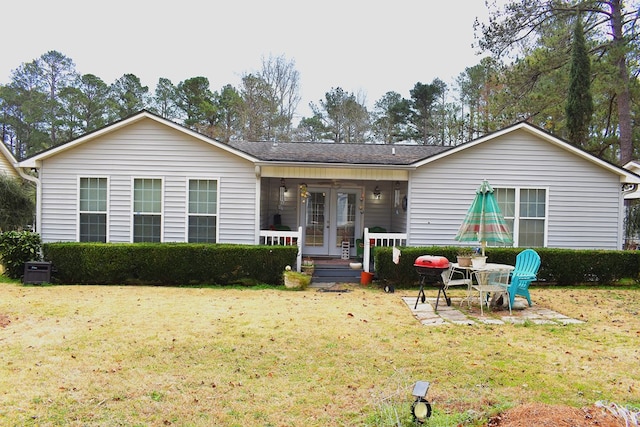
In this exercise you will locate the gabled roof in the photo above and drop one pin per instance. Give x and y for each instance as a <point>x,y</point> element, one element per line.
<point>317,153</point>
<point>625,175</point>
<point>281,152</point>
<point>33,161</point>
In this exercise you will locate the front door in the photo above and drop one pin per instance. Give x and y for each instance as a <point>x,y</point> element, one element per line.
<point>330,216</point>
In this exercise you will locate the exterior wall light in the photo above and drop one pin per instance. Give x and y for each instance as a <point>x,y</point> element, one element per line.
<point>376,192</point>
<point>421,408</point>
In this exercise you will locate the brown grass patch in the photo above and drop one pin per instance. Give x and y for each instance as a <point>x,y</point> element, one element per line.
<point>111,355</point>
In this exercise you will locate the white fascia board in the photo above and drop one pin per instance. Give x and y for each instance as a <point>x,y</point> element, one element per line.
<point>9,156</point>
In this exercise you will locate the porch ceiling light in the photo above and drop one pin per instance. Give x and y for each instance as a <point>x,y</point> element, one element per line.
<point>376,192</point>
<point>282,185</point>
<point>421,408</point>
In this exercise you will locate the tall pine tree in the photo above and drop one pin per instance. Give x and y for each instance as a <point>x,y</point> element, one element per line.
<point>579,102</point>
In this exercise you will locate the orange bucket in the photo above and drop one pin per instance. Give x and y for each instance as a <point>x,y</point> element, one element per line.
<point>366,278</point>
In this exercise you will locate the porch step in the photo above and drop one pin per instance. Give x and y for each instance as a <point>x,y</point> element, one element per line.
<point>335,274</point>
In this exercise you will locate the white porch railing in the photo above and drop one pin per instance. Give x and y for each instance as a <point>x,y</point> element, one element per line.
<point>284,238</point>
<point>380,239</point>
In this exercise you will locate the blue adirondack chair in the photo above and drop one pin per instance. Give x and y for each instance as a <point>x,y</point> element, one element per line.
<point>526,269</point>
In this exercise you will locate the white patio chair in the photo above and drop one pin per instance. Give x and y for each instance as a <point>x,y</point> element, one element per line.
<point>492,282</point>
<point>453,277</point>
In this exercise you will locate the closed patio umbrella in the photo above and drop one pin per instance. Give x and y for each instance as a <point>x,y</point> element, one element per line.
<point>484,221</point>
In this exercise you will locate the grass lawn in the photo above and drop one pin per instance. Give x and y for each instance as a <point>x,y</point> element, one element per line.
<point>152,356</point>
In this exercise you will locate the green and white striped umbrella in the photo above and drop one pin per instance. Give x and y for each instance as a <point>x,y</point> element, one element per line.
<point>484,221</point>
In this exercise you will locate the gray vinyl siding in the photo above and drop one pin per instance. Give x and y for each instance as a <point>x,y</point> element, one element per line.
<point>270,197</point>
<point>148,149</point>
<point>378,212</point>
<point>584,199</point>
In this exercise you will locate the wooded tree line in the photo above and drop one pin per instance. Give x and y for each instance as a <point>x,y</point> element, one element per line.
<point>570,67</point>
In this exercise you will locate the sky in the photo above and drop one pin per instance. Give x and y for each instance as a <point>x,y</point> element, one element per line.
<point>364,47</point>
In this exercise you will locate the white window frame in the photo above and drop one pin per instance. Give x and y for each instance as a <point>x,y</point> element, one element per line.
<point>80,211</point>
<point>517,218</point>
<point>134,213</point>
<point>186,208</point>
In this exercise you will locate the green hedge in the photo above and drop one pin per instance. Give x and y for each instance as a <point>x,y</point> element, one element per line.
<point>559,266</point>
<point>168,263</point>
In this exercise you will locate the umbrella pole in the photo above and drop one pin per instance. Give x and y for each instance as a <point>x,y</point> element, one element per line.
<point>482,245</point>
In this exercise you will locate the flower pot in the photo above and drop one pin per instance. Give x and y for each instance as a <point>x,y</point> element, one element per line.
<point>464,261</point>
<point>366,278</point>
<point>479,261</point>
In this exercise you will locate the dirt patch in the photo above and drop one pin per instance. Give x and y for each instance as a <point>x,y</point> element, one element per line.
<point>4,321</point>
<point>538,414</point>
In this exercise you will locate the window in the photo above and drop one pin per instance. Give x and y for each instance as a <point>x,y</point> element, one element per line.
<point>147,210</point>
<point>203,210</point>
<point>93,210</point>
<point>525,210</point>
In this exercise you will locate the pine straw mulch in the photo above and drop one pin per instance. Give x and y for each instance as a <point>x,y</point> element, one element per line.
<point>539,414</point>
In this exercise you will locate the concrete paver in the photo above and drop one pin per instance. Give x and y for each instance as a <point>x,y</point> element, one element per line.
<point>426,315</point>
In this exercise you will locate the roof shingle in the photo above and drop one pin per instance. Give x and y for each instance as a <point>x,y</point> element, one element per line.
<point>326,152</point>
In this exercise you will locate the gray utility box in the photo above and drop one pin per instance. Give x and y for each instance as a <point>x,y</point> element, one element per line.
<point>37,272</point>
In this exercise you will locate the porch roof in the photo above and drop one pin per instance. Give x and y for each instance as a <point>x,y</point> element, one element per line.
<point>328,152</point>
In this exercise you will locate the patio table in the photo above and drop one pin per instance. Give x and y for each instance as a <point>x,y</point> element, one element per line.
<point>481,275</point>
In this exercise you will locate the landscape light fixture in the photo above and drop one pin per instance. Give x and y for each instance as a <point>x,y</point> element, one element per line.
<point>421,408</point>
<point>376,192</point>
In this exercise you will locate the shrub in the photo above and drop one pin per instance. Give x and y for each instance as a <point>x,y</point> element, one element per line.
<point>559,266</point>
<point>17,203</point>
<point>295,280</point>
<point>16,248</point>
<point>168,263</point>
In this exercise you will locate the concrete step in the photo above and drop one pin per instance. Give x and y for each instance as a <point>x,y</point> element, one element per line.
<point>335,274</point>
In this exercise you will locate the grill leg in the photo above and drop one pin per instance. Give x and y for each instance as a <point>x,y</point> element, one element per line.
<point>421,293</point>
<point>446,298</point>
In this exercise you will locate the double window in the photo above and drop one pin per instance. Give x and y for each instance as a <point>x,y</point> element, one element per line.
<point>203,211</point>
<point>147,210</point>
<point>525,210</point>
<point>93,210</point>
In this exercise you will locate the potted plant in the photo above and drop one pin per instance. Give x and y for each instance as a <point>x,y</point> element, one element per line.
<point>308,266</point>
<point>295,280</point>
<point>464,257</point>
<point>478,260</point>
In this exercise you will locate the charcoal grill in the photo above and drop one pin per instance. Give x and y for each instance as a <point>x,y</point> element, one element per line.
<point>430,267</point>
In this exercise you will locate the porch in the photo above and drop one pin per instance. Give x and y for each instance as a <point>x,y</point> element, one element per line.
<point>330,215</point>
<point>370,240</point>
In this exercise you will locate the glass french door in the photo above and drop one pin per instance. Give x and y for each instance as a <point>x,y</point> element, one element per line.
<point>330,216</point>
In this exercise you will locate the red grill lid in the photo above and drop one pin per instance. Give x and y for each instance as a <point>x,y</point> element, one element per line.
<point>431,261</point>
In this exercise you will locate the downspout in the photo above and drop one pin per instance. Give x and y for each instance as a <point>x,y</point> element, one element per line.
<point>38,184</point>
<point>258,200</point>
<point>622,232</point>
